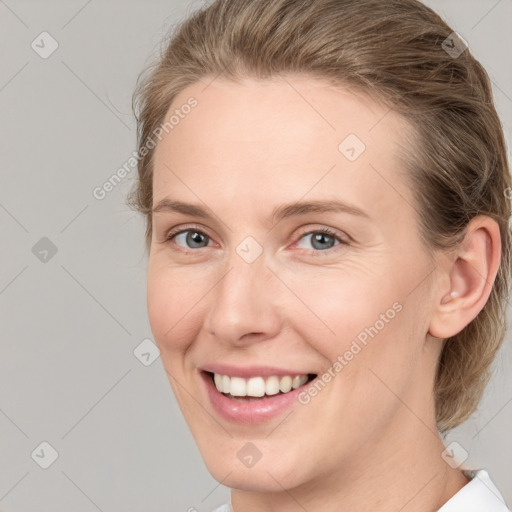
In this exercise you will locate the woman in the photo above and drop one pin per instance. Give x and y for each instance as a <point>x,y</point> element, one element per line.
<point>324,184</point>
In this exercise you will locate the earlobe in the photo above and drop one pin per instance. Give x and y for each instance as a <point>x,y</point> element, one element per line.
<point>470,277</point>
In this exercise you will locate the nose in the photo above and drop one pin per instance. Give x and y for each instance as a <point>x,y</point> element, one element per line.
<point>245,304</point>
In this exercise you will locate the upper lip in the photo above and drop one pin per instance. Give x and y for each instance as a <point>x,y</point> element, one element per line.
<point>250,371</point>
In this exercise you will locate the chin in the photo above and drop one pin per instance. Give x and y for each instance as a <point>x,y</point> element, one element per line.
<point>250,480</point>
<point>271,475</point>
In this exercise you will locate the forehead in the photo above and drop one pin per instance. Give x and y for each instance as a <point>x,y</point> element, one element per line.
<point>256,110</point>
<point>280,139</point>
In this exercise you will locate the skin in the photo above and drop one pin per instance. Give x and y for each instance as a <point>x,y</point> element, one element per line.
<point>368,440</point>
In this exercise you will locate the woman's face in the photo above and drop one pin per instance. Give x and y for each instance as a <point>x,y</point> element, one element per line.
<point>293,251</point>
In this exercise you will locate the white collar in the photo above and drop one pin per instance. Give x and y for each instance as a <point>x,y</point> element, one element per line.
<point>477,495</point>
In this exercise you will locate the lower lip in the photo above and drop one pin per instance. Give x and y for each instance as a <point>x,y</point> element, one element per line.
<point>241,411</point>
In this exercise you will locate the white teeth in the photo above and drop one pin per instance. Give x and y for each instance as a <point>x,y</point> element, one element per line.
<point>226,384</point>
<point>257,386</point>
<point>217,377</point>
<point>286,384</point>
<point>298,380</point>
<point>272,386</point>
<point>238,386</point>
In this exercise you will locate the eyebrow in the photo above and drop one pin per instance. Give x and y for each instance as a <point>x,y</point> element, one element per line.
<point>279,213</point>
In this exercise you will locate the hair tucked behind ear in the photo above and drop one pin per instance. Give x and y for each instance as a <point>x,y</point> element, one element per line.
<point>394,51</point>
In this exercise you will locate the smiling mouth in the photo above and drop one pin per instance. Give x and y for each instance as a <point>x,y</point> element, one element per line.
<point>258,387</point>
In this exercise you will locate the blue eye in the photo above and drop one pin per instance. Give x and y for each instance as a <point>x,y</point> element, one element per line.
<point>318,240</point>
<point>193,239</point>
<point>321,240</point>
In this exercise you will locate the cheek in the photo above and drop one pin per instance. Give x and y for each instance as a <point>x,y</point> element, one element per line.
<point>172,299</point>
<point>361,322</point>
<point>339,308</point>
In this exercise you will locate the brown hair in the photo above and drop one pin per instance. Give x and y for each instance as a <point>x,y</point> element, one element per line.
<point>396,51</point>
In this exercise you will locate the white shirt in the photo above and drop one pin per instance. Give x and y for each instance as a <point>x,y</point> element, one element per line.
<point>478,495</point>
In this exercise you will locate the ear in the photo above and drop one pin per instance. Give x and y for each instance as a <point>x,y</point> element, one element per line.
<point>467,278</point>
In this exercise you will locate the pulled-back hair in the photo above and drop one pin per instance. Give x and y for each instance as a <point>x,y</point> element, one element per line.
<point>402,54</point>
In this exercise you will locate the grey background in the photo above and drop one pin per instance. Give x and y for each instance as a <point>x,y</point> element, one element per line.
<point>70,325</point>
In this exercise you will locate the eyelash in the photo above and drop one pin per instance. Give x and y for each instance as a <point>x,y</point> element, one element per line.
<point>324,231</point>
